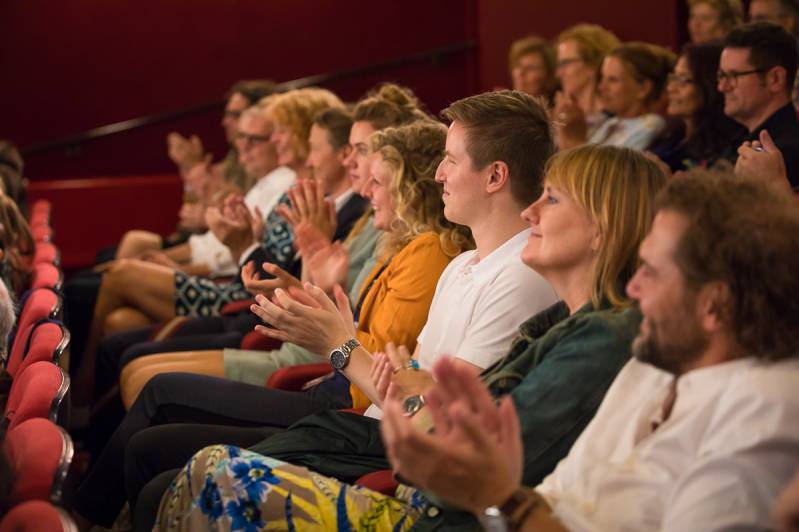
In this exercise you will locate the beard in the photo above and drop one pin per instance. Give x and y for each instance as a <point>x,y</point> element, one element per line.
<point>672,343</point>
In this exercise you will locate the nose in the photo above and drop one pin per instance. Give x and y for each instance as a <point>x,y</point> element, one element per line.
<point>440,177</point>
<point>633,286</point>
<point>531,214</point>
<point>349,160</point>
<point>366,188</point>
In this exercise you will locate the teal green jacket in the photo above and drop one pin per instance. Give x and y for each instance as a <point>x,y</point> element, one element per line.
<point>557,372</point>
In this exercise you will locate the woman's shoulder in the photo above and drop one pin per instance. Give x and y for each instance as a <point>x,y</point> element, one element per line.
<point>428,240</point>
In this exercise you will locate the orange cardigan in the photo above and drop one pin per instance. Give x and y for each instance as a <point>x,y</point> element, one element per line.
<point>396,306</point>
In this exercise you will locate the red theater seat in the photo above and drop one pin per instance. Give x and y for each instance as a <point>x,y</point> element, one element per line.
<point>293,378</point>
<point>39,452</point>
<point>42,232</point>
<point>380,481</point>
<point>37,516</point>
<point>37,392</point>
<point>49,340</point>
<point>46,252</point>
<point>46,275</point>
<point>37,305</point>
<point>256,341</point>
<point>237,307</point>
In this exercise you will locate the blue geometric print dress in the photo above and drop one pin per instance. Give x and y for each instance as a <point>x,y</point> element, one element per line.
<point>200,297</point>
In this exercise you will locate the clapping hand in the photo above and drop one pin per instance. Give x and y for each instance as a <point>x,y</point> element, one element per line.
<point>473,458</point>
<point>762,160</point>
<point>309,207</point>
<point>255,285</point>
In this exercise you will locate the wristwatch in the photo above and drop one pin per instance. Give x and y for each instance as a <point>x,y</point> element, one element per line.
<point>340,356</point>
<point>413,404</point>
<point>511,514</point>
<point>493,520</point>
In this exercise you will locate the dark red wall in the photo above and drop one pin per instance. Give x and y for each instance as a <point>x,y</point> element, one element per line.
<point>71,66</point>
<point>501,22</point>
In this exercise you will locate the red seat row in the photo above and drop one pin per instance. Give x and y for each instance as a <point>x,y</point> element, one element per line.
<point>38,449</point>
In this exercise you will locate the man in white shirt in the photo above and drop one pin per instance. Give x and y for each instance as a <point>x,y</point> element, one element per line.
<point>257,156</point>
<point>699,431</point>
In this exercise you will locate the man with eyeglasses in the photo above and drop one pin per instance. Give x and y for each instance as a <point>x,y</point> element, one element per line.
<point>756,76</point>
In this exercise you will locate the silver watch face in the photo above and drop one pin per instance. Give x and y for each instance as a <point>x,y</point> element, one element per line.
<point>413,404</point>
<point>338,359</point>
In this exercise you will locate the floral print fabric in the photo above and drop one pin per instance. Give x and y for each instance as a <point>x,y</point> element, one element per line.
<point>227,488</point>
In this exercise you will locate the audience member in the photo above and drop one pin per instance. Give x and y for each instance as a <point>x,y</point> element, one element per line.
<point>204,255</point>
<point>16,246</point>
<point>328,148</point>
<point>580,52</point>
<point>756,75</point>
<point>14,184</point>
<point>712,19</point>
<point>393,306</point>
<point>191,160</point>
<point>697,432</point>
<point>783,13</point>
<point>700,133</point>
<point>135,292</point>
<point>585,229</point>
<point>531,62</point>
<point>633,80</point>
<point>389,105</point>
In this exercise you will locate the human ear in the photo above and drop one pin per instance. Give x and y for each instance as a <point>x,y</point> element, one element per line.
<point>344,153</point>
<point>645,88</point>
<point>776,79</point>
<point>712,306</point>
<point>498,176</point>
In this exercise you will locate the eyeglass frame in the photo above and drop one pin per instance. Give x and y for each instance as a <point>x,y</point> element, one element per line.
<point>732,76</point>
<point>248,141</point>
<point>563,63</point>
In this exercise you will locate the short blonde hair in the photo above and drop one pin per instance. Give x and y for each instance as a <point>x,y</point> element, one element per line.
<point>616,187</point>
<point>594,42</point>
<point>296,110</point>
<point>731,12</point>
<point>414,151</point>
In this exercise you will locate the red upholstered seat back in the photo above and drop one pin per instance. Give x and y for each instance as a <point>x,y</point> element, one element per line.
<point>37,392</point>
<point>37,516</point>
<point>48,342</point>
<point>46,252</point>
<point>256,341</point>
<point>293,378</point>
<point>39,452</point>
<point>41,303</point>
<point>380,481</point>
<point>46,275</point>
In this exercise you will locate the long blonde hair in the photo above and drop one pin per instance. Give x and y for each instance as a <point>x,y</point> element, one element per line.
<point>414,152</point>
<point>616,187</point>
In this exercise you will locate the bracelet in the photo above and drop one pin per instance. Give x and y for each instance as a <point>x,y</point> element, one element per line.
<point>410,364</point>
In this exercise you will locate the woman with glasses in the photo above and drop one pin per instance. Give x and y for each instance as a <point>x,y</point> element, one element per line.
<point>699,132</point>
<point>578,111</point>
